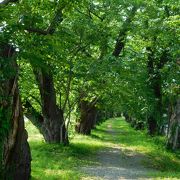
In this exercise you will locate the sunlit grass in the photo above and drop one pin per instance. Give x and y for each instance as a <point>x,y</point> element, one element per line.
<point>55,162</point>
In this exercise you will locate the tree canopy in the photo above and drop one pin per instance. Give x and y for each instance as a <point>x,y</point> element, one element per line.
<point>80,62</point>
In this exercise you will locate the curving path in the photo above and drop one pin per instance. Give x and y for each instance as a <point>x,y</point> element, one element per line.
<point>115,163</point>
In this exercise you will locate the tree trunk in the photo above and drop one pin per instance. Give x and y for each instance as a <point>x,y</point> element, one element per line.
<point>154,67</point>
<point>154,84</point>
<point>152,125</point>
<point>174,128</point>
<point>151,121</point>
<point>88,114</point>
<point>51,122</point>
<point>15,157</point>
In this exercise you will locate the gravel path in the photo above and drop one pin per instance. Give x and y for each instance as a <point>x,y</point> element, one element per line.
<point>115,162</point>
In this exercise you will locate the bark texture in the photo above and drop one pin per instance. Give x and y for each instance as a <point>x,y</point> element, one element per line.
<point>51,122</point>
<point>15,151</point>
<point>174,128</point>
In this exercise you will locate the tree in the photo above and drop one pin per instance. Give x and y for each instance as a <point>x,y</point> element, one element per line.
<point>51,121</point>
<point>14,148</point>
<point>15,156</point>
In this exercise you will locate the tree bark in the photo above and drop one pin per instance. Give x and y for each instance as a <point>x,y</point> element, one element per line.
<point>120,41</point>
<point>88,115</point>
<point>15,154</point>
<point>155,84</point>
<point>174,128</point>
<point>51,122</point>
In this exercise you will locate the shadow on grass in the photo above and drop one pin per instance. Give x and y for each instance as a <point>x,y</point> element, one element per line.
<point>54,161</point>
<point>158,157</point>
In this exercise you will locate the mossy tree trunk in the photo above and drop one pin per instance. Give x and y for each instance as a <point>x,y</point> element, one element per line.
<point>15,154</point>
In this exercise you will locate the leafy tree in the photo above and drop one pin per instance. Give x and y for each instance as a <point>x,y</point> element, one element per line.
<point>15,156</point>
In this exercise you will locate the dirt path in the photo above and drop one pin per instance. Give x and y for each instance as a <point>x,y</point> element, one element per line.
<point>115,162</point>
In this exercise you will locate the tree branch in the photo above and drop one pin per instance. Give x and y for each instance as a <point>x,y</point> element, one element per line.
<point>35,117</point>
<point>68,86</point>
<point>58,18</point>
<point>90,12</point>
<point>6,2</point>
<point>37,31</point>
<point>36,99</point>
<point>87,15</point>
<point>122,34</point>
<point>92,103</point>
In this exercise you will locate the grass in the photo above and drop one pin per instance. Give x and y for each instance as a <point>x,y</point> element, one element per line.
<point>166,162</point>
<point>53,161</point>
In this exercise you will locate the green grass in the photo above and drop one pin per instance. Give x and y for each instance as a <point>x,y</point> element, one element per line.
<point>166,162</point>
<point>53,161</point>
